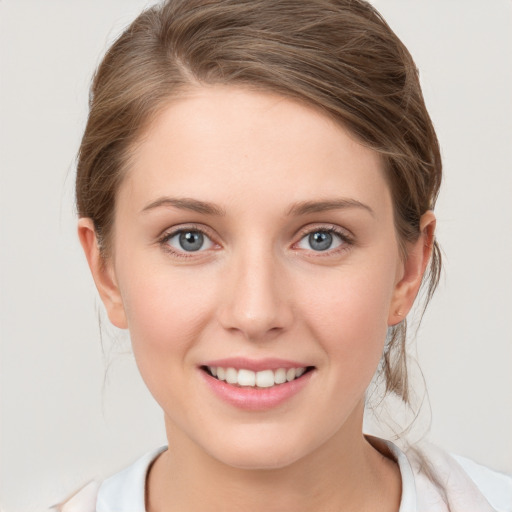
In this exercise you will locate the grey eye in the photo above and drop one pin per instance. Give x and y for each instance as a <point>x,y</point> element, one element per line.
<point>190,241</point>
<point>320,240</point>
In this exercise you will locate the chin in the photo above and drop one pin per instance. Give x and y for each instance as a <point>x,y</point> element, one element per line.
<point>258,460</point>
<point>261,452</point>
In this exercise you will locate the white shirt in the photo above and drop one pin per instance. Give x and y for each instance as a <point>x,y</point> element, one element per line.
<point>465,485</point>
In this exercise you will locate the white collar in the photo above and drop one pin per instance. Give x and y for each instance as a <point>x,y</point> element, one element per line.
<point>462,479</point>
<point>125,491</point>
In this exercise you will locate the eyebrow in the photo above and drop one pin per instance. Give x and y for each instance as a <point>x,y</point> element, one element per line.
<point>297,209</point>
<point>305,207</point>
<point>185,203</point>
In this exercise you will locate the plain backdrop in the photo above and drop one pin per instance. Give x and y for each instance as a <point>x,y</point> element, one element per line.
<point>72,404</point>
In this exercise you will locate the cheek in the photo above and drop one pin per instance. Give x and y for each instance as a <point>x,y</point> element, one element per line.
<point>348,314</point>
<point>166,313</point>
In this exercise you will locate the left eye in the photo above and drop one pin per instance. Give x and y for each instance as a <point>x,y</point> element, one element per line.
<point>189,240</point>
<point>321,240</point>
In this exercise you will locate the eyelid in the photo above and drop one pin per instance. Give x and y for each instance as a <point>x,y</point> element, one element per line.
<point>344,234</point>
<point>334,228</point>
<point>169,233</point>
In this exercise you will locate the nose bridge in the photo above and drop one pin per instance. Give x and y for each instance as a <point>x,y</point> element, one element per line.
<point>256,301</point>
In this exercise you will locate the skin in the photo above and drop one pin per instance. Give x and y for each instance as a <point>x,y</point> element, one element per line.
<point>259,289</point>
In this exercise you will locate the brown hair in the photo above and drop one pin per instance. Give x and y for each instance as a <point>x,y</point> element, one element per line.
<point>338,56</point>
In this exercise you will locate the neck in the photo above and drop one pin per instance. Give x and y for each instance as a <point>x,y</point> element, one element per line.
<point>345,473</point>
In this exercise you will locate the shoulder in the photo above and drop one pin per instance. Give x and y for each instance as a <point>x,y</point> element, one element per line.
<point>122,492</point>
<point>82,501</point>
<point>496,486</point>
<point>459,482</point>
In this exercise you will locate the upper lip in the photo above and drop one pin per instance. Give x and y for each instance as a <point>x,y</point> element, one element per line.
<point>256,365</point>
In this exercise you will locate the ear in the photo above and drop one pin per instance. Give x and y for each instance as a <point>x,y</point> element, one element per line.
<point>417,259</point>
<point>102,272</point>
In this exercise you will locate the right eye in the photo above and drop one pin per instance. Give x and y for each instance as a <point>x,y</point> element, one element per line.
<point>188,240</point>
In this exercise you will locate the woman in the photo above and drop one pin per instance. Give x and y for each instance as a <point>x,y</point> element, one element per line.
<point>256,186</point>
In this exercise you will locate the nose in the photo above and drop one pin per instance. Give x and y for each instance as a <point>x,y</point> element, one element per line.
<point>256,298</point>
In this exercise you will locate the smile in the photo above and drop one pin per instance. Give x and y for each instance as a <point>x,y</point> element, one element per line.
<point>255,379</point>
<point>256,385</point>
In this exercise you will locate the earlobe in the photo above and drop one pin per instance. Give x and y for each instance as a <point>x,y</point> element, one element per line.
<point>414,267</point>
<point>102,272</point>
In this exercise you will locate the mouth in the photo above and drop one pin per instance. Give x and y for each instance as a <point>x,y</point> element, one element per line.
<point>263,379</point>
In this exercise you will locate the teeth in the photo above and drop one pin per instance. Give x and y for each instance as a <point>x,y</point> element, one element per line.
<point>231,376</point>
<point>265,379</point>
<point>262,379</point>
<point>246,378</point>
<point>280,376</point>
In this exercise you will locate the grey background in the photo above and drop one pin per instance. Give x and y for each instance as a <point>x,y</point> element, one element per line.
<point>64,418</point>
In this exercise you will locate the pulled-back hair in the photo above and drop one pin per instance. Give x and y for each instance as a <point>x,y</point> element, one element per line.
<point>338,56</point>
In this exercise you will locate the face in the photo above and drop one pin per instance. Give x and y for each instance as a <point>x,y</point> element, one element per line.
<point>254,242</point>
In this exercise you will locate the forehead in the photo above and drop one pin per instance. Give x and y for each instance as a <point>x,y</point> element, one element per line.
<point>218,143</point>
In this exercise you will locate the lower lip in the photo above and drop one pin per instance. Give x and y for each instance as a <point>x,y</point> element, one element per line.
<point>256,399</point>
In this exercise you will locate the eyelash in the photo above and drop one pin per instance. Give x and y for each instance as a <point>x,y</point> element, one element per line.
<point>346,239</point>
<point>164,239</point>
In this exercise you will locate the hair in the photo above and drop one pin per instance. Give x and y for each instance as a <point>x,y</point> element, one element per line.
<point>337,56</point>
